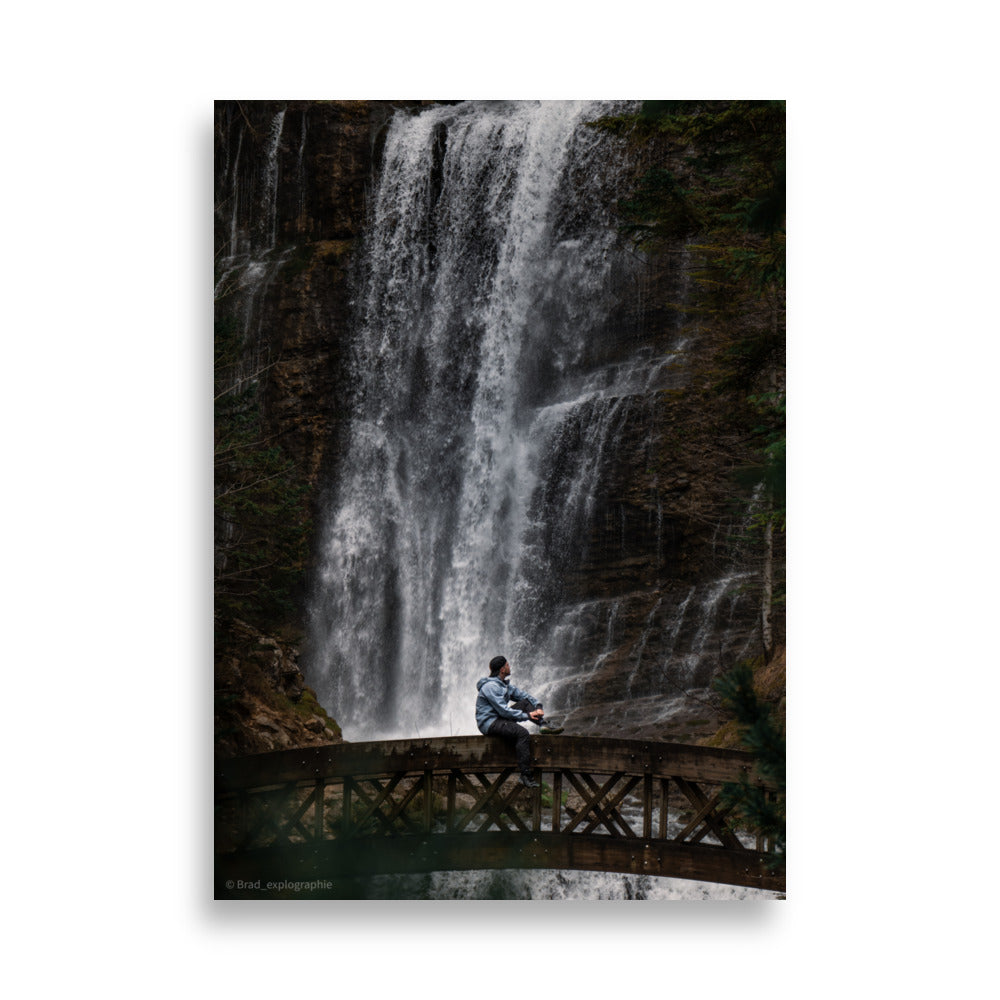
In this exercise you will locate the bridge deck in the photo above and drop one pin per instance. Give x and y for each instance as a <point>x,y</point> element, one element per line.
<point>357,809</point>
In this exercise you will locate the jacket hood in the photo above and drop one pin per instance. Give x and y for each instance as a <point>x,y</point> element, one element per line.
<point>483,680</point>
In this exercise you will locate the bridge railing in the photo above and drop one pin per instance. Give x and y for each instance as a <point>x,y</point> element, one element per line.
<point>455,803</point>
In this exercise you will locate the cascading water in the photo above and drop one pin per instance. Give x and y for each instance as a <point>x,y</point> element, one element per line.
<point>487,266</point>
<point>249,261</point>
<point>491,392</point>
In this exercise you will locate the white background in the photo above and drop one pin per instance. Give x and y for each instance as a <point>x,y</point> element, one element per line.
<point>892,223</point>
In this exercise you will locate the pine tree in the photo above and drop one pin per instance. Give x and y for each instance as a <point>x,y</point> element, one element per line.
<point>760,733</point>
<point>261,517</point>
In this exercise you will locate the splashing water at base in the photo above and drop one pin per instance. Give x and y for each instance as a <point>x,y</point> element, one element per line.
<point>547,884</point>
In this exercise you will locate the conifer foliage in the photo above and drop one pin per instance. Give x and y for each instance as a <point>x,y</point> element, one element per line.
<point>261,516</point>
<point>762,735</point>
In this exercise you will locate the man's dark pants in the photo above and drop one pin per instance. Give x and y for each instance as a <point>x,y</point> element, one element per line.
<point>513,733</point>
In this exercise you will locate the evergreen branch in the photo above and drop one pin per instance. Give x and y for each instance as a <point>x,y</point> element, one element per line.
<point>243,573</point>
<point>249,378</point>
<point>243,487</point>
<point>243,446</point>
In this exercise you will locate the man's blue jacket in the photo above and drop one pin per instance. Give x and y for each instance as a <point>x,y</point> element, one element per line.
<point>491,703</point>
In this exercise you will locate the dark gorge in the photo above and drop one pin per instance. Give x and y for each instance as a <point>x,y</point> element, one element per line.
<point>495,377</point>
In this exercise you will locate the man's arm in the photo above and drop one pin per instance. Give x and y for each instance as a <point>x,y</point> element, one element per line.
<point>516,694</point>
<point>492,693</point>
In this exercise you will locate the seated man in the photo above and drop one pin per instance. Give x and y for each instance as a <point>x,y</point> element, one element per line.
<point>495,718</point>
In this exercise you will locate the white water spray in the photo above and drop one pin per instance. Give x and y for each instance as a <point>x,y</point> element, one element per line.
<point>474,304</point>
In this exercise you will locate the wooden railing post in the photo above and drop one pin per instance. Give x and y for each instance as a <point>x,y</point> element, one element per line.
<point>428,800</point>
<point>318,804</point>
<point>556,800</point>
<point>769,845</point>
<point>647,806</point>
<point>345,819</point>
<point>452,782</point>
<point>664,832</point>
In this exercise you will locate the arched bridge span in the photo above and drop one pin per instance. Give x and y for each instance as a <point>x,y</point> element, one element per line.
<point>354,809</point>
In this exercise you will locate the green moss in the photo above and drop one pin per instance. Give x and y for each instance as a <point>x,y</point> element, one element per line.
<point>307,707</point>
<point>726,736</point>
<point>769,685</point>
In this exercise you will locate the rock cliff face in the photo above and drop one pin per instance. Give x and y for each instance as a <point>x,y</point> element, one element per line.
<point>670,569</point>
<point>292,180</point>
<point>261,699</point>
<point>290,186</point>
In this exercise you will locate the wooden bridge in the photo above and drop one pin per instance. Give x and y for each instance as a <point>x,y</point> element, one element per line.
<point>321,815</point>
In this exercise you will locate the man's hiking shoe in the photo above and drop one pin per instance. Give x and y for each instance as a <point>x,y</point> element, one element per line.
<point>546,727</point>
<point>528,781</point>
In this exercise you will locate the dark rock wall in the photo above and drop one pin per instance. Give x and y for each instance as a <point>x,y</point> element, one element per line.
<point>322,172</point>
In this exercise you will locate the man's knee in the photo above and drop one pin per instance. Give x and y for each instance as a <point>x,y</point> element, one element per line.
<point>526,706</point>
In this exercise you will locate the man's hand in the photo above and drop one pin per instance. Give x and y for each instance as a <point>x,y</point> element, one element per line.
<point>536,714</point>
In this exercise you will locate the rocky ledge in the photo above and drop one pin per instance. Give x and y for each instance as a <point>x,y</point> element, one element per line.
<point>262,702</point>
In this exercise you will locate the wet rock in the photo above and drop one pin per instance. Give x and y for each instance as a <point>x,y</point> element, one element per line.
<point>261,700</point>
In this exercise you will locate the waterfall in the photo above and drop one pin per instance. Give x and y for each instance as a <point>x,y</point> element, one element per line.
<point>251,262</point>
<point>485,274</point>
<point>270,218</point>
<point>493,392</point>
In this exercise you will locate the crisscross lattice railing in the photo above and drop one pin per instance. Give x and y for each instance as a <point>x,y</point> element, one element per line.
<point>456,803</point>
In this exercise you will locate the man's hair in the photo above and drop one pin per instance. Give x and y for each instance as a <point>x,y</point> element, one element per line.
<point>496,664</point>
